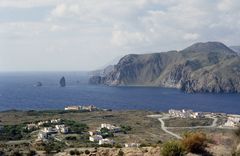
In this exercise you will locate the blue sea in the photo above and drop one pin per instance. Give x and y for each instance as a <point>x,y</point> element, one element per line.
<point>18,91</point>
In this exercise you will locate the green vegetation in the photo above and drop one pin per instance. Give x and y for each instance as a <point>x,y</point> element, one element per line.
<point>75,152</point>
<point>106,133</point>
<point>125,128</point>
<point>53,146</point>
<point>13,132</point>
<point>172,148</point>
<point>76,127</point>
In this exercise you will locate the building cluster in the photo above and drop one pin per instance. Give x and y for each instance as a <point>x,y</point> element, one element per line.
<point>81,108</point>
<point>232,121</point>
<point>111,128</point>
<point>47,132</point>
<point>97,136</point>
<point>33,126</point>
<point>185,113</point>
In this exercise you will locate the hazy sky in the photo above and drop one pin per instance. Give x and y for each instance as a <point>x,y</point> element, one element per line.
<point>87,34</point>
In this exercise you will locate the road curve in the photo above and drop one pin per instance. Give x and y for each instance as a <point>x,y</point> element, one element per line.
<point>167,131</point>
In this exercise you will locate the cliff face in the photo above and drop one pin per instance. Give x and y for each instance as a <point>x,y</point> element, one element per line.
<point>202,67</point>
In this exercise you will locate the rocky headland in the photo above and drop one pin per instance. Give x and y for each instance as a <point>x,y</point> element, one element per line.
<point>202,67</point>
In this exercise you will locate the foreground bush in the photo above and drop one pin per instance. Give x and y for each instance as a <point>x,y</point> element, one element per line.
<point>195,142</point>
<point>237,133</point>
<point>172,148</point>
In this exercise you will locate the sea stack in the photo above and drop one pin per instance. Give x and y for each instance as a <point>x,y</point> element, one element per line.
<point>62,82</point>
<point>39,84</point>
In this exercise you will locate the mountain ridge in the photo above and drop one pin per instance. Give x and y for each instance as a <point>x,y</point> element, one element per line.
<point>201,67</point>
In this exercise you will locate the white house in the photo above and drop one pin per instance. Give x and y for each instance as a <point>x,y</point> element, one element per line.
<point>95,138</point>
<point>40,123</point>
<point>111,127</point>
<point>197,115</point>
<point>105,141</point>
<point>49,130</point>
<point>232,122</point>
<point>131,145</point>
<point>55,121</point>
<point>42,136</point>
<point>91,133</point>
<point>31,126</point>
<point>185,113</point>
<point>71,108</point>
<point>62,129</point>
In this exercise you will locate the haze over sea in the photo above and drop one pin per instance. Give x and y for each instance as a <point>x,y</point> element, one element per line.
<point>17,91</point>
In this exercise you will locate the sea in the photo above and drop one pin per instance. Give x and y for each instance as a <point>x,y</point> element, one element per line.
<point>18,91</point>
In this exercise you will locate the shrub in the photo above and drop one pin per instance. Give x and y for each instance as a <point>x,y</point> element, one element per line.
<point>16,153</point>
<point>237,132</point>
<point>87,152</point>
<point>120,153</point>
<point>172,148</point>
<point>118,146</point>
<point>195,142</point>
<point>73,138</point>
<point>31,153</point>
<point>72,152</point>
<point>75,152</point>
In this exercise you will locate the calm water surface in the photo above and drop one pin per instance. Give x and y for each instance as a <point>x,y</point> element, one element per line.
<point>17,91</point>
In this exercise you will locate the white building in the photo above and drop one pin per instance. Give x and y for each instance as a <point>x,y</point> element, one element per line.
<point>197,115</point>
<point>31,126</point>
<point>131,145</point>
<point>111,127</point>
<point>95,138</point>
<point>71,108</point>
<point>185,113</point>
<point>232,122</point>
<point>91,133</point>
<point>49,130</point>
<point>105,141</point>
<point>55,121</point>
<point>86,108</point>
<point>62,129</point>
<point>40,123</point>
<point>43,136</point>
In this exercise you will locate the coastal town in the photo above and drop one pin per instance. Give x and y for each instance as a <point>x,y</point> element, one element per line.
<point>101,128</point>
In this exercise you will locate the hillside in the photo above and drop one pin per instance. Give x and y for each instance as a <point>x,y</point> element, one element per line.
<point>202,67</point>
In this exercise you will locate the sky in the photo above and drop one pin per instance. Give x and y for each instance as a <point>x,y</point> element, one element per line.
<point>77,35</point>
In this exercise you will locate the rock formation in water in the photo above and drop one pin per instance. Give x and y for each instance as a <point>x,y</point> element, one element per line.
<point>62,82</point>
<point>38,84</point>
<point>202,67</point>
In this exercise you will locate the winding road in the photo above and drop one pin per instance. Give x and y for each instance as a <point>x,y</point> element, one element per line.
<point>165,129</point>
<point>161,118</point>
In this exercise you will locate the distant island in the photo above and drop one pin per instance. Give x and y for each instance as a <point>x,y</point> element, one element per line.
<point>202,67</point>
